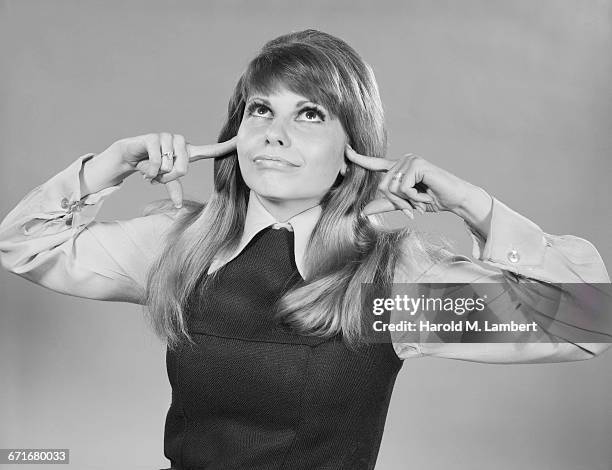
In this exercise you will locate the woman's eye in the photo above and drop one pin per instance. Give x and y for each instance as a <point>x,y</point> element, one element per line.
<point>313,114</point>
<point>310,114</point>
<point>256,109</point>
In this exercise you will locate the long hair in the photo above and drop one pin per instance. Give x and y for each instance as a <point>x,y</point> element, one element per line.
<point>345,250</point>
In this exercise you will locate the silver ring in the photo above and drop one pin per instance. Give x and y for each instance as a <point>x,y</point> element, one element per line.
<point>398,176</point>
<point>168,155</point>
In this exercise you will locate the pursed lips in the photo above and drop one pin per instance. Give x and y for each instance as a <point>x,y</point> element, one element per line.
<point>273,158</point>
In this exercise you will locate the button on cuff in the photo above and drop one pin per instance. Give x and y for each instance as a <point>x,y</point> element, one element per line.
<point>74,206</point>
<point>513,256</point>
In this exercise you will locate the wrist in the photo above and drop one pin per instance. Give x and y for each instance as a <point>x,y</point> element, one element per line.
<point>476,209</point>
<point>103,171</point>
<point>113,156</point>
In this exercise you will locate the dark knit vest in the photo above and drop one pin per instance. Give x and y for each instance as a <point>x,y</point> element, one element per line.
<point>255,395</point>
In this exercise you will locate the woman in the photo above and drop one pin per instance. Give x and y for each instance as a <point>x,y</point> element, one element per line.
<point>258,291</point>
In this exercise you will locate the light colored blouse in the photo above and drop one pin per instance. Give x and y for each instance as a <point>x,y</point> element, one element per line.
<point>52,239</point>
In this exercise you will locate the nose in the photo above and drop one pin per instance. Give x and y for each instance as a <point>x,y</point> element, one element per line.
<point>276,133</point>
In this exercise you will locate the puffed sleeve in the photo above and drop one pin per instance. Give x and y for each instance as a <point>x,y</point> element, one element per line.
<point>51,238</point>
<point>530,267</point>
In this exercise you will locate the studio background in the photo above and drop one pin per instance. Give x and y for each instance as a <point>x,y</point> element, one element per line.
<point>513,96</point>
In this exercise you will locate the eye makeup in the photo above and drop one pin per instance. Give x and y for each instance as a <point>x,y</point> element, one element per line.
<point>257,104</point>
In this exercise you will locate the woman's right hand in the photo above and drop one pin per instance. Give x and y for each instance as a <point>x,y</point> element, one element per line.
<point>164,157</point>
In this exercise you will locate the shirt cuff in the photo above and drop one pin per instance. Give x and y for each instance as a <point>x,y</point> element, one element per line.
<point>407,350</point>
<point>60,199</point>
<point>514,242</point>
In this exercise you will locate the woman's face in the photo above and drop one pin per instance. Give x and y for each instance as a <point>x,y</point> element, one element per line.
<point>289,147</point>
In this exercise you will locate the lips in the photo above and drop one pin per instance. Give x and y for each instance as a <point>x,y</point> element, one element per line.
<point>272,158</point>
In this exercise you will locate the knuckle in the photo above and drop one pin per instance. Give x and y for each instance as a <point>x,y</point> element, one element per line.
<point>403,186</point>
<point>163,177</point>
<point>412,158</point>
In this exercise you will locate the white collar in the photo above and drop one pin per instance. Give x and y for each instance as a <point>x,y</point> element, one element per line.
<point>258,218</point>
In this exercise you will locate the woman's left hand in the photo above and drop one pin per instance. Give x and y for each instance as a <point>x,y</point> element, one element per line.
<point>414,183</point>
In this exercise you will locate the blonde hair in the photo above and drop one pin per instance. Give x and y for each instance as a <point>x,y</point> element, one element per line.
<point>345,249</point>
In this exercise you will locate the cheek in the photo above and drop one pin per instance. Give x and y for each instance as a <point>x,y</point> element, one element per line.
<point>241,137</point>
<point>244,142</point>
<point>250,134</point>
<point>324,164</point>
<point>328,153</point>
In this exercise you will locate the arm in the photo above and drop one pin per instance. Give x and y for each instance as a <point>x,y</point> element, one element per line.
<point>514,252</point>
<point>51,238</point>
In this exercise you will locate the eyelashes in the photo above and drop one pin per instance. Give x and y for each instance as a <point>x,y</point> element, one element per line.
<point>254,108</point>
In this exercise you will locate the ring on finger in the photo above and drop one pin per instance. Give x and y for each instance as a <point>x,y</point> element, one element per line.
<point>398,176</point>
<point>166,167</point>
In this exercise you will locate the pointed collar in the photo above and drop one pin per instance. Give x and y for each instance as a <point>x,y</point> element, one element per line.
<point>258,218</point>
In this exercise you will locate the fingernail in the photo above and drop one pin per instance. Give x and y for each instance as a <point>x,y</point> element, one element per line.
<point>178,206</point>
<point>154,182</point>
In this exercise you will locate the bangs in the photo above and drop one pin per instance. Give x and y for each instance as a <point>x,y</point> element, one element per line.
<point>324,70</point>
<point>301,71</point>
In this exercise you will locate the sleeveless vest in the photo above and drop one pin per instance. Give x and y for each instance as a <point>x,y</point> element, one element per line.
<point>255,395</point>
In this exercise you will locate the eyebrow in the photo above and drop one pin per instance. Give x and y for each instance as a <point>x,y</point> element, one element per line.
<point>267,102</point>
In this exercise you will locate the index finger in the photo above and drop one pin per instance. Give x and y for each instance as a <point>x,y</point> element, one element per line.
<point>198,152</point>
<point>175,191</point>
<point>371,163</point>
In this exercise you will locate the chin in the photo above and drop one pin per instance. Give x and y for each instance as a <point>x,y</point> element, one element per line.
<point>280,187</point>
<point>273,191</point>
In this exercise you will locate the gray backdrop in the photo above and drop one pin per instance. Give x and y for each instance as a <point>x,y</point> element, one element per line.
<point>513,96</point>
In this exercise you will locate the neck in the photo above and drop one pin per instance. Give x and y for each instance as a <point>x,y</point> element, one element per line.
<point>284,209</point>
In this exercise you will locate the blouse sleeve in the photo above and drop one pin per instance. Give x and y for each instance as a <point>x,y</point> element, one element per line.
<point>526,262</point>
<point>51,238</point>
